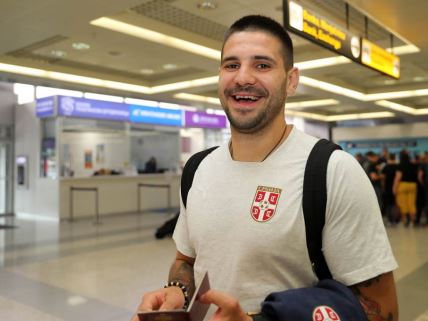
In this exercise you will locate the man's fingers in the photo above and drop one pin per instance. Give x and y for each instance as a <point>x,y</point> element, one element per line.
<point>220,299</point>
<point>151,301</point>
<point>167,305</point>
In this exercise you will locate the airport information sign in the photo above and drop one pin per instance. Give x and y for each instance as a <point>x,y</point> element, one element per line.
<point>45,107</point>
<point>96,109</point>
<point>380,59</point>
<point>89,108</point>
<point>312,26</point>
<point>155,115</point>
<point>204,120</point>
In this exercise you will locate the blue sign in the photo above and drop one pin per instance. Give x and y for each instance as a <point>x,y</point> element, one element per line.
<point>45,107</point>
<point>155,115</point>
<point>89,108</point>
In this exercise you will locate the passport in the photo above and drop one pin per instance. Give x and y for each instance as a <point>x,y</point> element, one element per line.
<point>195,312</point>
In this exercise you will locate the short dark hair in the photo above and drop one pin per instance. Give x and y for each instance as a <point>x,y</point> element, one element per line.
<point>391,156</point>
<point>404,157</point>
<point>268,25</point>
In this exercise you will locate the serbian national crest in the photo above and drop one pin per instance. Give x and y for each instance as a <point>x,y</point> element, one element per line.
<point>325,313</point>
<point>265,202</point>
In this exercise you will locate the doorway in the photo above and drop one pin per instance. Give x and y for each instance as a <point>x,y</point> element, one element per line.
<point>6,186</point>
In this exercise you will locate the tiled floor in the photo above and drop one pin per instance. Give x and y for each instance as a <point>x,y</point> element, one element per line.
<point>71,272</point>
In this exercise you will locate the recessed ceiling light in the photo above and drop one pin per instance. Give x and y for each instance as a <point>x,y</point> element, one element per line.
<point>114,53</point>
<point>418,78</point>
<point>207,5</point>
<point>58,53</point>
<point>80,46</point>
<point>389,81</point>
<point>170,66</point>
<point>147,71</point>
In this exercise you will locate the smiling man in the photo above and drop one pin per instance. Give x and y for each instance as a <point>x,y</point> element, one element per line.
<point>243,222</point>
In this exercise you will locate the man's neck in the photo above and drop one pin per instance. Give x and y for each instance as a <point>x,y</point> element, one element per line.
<point>258,146</point>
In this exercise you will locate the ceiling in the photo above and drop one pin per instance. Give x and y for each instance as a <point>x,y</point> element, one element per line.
<point>40,34</point>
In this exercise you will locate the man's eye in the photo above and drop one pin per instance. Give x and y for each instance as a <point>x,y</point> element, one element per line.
<point>263,66</point>
<point>231,66</point>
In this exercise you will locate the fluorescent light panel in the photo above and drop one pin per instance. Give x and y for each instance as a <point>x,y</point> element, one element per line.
<point>320,63</point>
<point>185,84</point>
<point>402,108</point>
<point>42,92</point>
<point>157,37</point>
<point>141,102</point>
<point>115,99</point>
<point>204,99</point>
<point>311,103</point>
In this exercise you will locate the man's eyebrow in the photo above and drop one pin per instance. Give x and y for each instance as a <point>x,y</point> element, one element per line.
<point>230,58</point>
<point>256,57</point>
<point>264,58</point>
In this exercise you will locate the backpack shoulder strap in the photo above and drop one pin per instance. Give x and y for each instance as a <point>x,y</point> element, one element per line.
<point>314,203</point>
<point>189,172</point>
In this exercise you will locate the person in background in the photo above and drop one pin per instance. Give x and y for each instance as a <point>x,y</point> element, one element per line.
<point>360,159</point>
<point>374,175</point>
<point>423,181</point>
<point>388,175</point>
<point>151,165</point>
<point>244,222</point>
<point>384,155</point>
<point>405,188</point>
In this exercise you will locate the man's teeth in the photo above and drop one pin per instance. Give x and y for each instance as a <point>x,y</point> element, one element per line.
<point>247,97</point>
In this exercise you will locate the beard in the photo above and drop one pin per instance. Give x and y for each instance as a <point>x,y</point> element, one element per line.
<point>251,125</point>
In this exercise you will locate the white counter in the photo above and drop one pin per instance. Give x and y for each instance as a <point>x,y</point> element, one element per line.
<point>118,194</point>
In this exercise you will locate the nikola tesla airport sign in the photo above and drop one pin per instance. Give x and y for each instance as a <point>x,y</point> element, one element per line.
<point>314,27</point>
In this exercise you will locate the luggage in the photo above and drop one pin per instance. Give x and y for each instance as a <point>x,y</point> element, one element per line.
<point>167,228</point>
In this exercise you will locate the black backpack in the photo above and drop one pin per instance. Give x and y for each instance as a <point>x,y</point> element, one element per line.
<point>314,197</point>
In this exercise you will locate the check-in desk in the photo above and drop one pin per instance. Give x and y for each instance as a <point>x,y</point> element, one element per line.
<point>113,194</point>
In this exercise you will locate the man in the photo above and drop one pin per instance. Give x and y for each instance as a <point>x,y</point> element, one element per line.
<point>423,181</point>
<point>375,177</point>
<point>251,245</point>
<point>388,175</point>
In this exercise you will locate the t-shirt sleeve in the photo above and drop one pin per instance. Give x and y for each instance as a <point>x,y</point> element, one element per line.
<point>181,234</point>
<point>355,243</point>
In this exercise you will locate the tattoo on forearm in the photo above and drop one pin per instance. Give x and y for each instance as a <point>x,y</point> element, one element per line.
<point>183,272</point>
<point>370,306</point>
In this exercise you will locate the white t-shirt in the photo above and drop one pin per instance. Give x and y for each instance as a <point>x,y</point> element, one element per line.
<point>244,223</point>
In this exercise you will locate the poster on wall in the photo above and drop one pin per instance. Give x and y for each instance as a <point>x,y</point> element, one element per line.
<point>100,154</point>
<point>88,158</point>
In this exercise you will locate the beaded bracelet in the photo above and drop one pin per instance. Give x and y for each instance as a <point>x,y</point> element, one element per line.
<point>183,289</point>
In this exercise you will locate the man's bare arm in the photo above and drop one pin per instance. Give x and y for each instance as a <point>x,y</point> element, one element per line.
<point>378,297</point>
<point>182,271</point>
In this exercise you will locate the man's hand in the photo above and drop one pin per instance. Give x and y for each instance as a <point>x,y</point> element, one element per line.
<point>171,298</point>
<point>229,308</point>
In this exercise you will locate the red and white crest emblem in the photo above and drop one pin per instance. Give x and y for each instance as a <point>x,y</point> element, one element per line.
<point>264,203</point>
<point>325,313</point>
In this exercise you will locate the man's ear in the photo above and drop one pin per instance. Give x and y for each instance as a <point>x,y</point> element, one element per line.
<point>292,81</point>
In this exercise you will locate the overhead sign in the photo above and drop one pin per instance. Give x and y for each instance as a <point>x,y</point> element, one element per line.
<point>45,107</point>
<point>204,120</point>
<point>89,108</point>
<point>314,27</point>
<point>96,109</point>
<point>380,59</point>
<point>154,115</point>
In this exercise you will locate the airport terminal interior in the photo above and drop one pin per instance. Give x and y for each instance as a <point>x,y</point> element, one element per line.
<point>102,102</point>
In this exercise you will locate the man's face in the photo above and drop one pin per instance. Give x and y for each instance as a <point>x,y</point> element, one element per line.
<point>253,81</point>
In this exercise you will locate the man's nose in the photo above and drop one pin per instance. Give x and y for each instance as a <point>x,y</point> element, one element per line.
<point>244,76</point>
